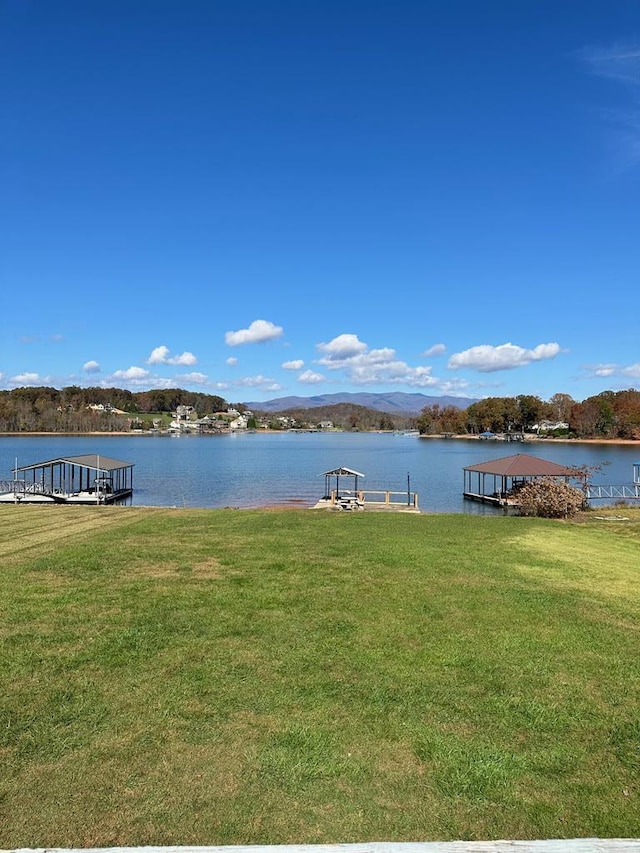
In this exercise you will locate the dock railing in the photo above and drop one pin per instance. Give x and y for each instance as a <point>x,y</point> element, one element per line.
<point>380,498</point>
<point>595,492</point>
<point>21,487</point>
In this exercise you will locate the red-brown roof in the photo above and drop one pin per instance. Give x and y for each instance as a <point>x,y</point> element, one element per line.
<point>522,465</point>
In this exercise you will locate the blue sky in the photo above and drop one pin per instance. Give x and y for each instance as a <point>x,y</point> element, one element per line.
<point>258,198</point>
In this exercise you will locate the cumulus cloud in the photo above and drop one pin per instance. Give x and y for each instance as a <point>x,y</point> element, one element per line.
<point>195,378</point>
<point>91,367</point>
<point>261,382</point>
<point>364,366</point>
<point>297,364</point>
<point>341,348</point>
<point>258,332</point>
<point>488,359</point>
<point>453,386</point>
<point>604,370</point>
<point>436,349</point>
<point>631,371</point>
<point>29,379</point>
<point>131,373</point>
<point>231,361</point>
<point>310,377</point>
<point>160,355</point>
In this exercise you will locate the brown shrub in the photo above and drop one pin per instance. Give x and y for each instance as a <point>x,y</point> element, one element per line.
<point>549,498</point>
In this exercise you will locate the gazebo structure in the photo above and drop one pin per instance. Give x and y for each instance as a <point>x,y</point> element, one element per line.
<point>348,498</point>
<point>88,479</point>
<point>491,482</point>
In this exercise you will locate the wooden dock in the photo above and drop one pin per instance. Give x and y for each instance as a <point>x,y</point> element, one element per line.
<point>378,500</point>
<point>493,500</point>
<point>357,499</point>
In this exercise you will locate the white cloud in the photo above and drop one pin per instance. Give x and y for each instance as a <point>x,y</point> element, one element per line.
<point>363,366</point>
<point>195,378</point>
<point>293,365</point>
<point>131,373</point>
<point>186,359</point>
<point>436,349</point>
<point>341,348</point>
<point>603,371</point>
<point>258,332</point>
<point>261,382</point>
<point>91,367</point>
<point>160,355</point>
<point>231,361</point>
<point>309,377</point>
<point>29,379</point>
<point>487,359</point>
<point>452,386</point>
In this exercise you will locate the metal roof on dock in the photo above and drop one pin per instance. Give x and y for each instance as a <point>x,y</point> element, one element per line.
<point>88,460</point>
<point>342,472</point>
<point>522,465</point>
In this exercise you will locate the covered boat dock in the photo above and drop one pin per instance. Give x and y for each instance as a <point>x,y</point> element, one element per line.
<point>88,479</point>
<point>492,482</point>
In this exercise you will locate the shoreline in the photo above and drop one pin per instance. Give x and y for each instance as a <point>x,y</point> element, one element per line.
<point>535,439</point>
<point>529,439</point>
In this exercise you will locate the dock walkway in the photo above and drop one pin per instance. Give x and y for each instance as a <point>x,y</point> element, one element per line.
<point>370,500</point>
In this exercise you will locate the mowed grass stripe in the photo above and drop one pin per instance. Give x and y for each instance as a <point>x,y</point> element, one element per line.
<point>227,677</point>
<point>32,526</point>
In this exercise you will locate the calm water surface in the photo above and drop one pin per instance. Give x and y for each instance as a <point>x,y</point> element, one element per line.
<point>255,469</point>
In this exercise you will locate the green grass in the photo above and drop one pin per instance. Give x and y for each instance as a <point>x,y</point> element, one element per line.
<point>243,677</point>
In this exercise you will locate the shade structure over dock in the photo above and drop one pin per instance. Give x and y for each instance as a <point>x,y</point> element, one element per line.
<point>506,472</point>
<point>90,478</point>
<point>337,473</point>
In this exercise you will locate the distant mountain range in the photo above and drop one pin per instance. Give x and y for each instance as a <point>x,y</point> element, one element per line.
<point>397,402</point>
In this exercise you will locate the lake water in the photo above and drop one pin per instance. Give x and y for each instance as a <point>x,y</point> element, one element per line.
<point>257,469</point>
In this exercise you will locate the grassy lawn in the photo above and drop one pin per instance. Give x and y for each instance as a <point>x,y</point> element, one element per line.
<point>241,677</point>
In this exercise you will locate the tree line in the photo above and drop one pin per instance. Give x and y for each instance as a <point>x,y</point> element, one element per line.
<point>611,414</point>
<point>44,409</point>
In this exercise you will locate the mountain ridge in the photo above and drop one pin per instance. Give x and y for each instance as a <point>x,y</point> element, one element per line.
<point>398,402</point>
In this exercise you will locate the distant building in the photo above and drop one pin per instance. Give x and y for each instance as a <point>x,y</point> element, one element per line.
<point>105,407</point>
<point>184,413</point>
<point>239,423</point>
<point>549,426</point>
